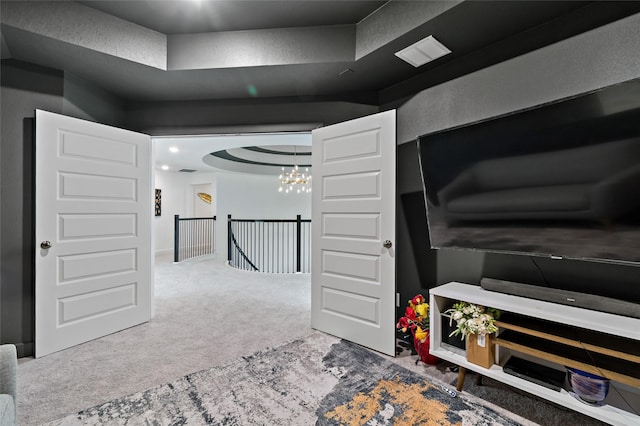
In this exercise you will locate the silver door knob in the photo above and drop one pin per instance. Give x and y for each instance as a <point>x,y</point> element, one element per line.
<point>387,244</point>
<point>45,245</point>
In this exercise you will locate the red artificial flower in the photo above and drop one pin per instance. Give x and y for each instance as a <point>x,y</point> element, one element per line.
<point>403,324</point>
<point>410,313</point>
<point>418,299</point>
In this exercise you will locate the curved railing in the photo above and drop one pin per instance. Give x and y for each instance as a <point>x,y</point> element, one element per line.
<point>270,245</point>
<point>238,258</point>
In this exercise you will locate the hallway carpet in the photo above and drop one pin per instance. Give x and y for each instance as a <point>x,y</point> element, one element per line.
<point>206,314</point>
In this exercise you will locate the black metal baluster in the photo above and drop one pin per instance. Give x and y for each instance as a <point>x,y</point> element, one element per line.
<point>229,238</point>
<point>300,244</point>
<point>280,240</point>
<point>176,236</point>
<point>190,243</point>
<point>290,247</point>
<point>183,238</point>
<point>244,260</point>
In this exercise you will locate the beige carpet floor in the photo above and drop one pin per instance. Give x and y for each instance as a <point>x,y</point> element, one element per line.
<point>208,314</point>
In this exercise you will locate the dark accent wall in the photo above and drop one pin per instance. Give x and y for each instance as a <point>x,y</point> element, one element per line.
<point>84,100</point>
<point>598,58</point>
<point>416,261</point>
<point>228,116</point>
<point>589,61</point>
<point>418,266</point>
<point>25,88</point>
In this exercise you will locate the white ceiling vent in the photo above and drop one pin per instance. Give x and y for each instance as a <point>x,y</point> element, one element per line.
<point>424,51</point>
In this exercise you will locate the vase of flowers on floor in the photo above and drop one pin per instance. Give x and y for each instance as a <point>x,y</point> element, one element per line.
<point>475,324</point>
<point>416,320</point>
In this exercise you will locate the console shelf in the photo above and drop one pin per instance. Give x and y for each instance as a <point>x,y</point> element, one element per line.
<point>571,356</point>
<point>602,343</point>
<point>560,336</point>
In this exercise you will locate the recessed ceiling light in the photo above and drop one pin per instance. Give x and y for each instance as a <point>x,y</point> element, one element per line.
<point>164,167</point>
<point>423,51</point>
<point>173,149</point>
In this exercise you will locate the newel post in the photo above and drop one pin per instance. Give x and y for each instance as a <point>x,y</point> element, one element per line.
<point>176,238</point>
<point>229,235</point>
<point>298,241</point>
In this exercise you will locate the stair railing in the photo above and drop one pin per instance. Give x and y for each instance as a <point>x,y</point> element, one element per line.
<point>270,245</point>
<point>193,237</point>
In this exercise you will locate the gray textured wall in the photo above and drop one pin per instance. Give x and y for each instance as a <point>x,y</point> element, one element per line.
<point>279,46</point>
<point>25,88</point>
<point>85,101</point>
<point>75,23</point>
<point>589,61</point>
<point>599,58</point>
<point>177,117</point>
<point>416,262</point>
<point>395,19</point>
<point>592,60</point>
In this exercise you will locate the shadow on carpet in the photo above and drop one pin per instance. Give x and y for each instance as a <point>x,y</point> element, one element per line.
<point>316,380</point>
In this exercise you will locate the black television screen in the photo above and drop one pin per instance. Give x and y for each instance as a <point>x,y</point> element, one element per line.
<point>562,179</point>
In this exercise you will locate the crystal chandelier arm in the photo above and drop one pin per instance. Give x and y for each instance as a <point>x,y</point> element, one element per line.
<point>289,180</point>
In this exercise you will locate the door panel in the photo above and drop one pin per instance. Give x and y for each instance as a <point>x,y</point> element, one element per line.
<point>93,205</point>
<point>353,275</point>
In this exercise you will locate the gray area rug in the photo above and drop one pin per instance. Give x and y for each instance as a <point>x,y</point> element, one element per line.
<point>318,380</point>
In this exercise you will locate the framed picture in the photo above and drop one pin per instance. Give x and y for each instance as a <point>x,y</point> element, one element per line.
<point>158,202</point>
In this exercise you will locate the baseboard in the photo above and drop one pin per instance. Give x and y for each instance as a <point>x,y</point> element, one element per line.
<point>25,349</point>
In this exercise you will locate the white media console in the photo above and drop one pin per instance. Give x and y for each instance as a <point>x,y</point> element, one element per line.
<point>546,333</point>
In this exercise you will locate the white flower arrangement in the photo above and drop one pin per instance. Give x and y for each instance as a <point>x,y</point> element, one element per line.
<point>472,319</point>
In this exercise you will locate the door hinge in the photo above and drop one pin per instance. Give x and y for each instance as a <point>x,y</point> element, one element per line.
<point>397,300</point>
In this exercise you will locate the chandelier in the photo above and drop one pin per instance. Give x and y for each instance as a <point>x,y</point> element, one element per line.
<point>295,180</point>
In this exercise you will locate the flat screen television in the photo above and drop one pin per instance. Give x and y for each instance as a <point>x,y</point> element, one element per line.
<point>559,181</point>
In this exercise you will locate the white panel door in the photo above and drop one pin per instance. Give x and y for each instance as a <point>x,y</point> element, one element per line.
<point>353,214</point>
<point>93,231</point>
